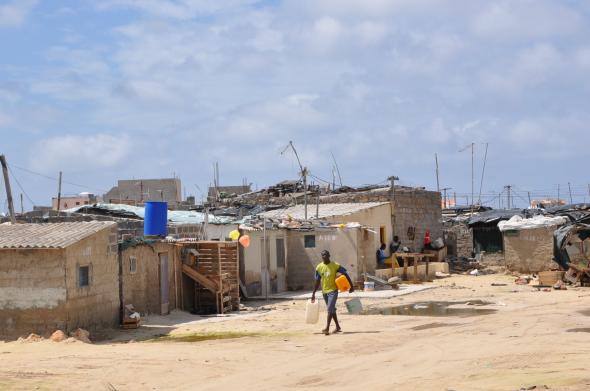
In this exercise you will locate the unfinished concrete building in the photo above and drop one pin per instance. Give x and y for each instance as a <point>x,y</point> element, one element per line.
<point>137,191</point>
<point>58,276</point>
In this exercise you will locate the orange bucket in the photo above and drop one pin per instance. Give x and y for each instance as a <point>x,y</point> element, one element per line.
<point>342,284</point>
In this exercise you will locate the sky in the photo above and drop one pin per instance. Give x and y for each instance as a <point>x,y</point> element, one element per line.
<point>116,89</point>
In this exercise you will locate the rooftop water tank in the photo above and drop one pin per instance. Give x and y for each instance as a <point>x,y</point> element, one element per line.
<point>155,221</point>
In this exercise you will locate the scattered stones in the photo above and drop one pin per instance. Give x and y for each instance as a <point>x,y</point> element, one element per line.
<point>81,335</point>
<point>58,336</point>
<point>31,338</point>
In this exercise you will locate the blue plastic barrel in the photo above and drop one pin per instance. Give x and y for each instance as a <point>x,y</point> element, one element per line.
<point>155,221</point>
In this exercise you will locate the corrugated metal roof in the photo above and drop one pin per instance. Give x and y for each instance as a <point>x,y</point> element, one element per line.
<point>297,212</point>
<point>51,235</point>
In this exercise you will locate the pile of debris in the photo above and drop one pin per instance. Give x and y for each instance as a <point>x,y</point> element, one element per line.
<point>462,265</point>
<point>78,335</point>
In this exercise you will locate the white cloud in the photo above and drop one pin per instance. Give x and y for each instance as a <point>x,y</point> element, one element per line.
<point>524,20</point>
<point>371,33</point>
<point>75,153</point>
<point>325,33</point>
<point>177,9</point>
<point>14,13</point>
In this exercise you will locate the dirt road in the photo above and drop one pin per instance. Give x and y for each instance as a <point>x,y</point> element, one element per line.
<point>534,338</point>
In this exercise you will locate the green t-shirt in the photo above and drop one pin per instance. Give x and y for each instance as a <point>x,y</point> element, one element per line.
<point>327,273</point>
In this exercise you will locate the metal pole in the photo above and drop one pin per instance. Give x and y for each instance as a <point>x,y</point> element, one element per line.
<point>59,193</point>
<point>22,207</point>
<point>570,189</point>
<point>266,274</point>
<point>437,181</point>
<point>8,191</point>
<point>317,207</point>
<point>392,179</point>
<point>483,171</point>
<point>472,176</point>
<point>305,190</point>
<point>206,224</point>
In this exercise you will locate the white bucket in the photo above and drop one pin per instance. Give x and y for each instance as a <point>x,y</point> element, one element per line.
<point>369,286</point>
<point>312,312</point>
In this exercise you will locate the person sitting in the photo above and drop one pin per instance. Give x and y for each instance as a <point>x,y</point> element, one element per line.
<point>395,245</point>
<point>427,241</point>
<point>381,257</point>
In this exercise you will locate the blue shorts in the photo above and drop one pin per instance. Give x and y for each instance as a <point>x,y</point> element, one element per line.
<point>330,299</point>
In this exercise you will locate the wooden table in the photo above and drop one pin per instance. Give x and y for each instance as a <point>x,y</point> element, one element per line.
<point>417,258</point>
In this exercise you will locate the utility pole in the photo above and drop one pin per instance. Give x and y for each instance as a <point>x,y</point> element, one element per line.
<point>317,206</point>
<point>337,169</point>
<point>570,189</point>
<point>206,223</point>
<point>59,193</point>
<point>8,191</point>
<point>508,199</point>
<point>333,178</point>
<point>472,146</point>
<point>455,198</point>
<point>483,171</point>
<point>437,180</point>
<point>303,173</point>
<point>392,179</point>
<point>22,207</point>
<point>472,176</point>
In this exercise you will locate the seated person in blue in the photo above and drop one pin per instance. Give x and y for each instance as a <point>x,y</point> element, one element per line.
<point>381,257</point>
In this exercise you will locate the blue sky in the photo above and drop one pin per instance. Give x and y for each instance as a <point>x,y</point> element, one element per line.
<point>114,89</point>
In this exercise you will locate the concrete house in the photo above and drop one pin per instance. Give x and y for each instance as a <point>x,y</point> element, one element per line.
<point>58,276</point>
<point>280,259</point>
<point>150,277</point>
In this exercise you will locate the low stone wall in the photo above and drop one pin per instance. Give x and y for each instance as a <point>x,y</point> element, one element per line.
<point>459,239</point>
<point>433,267</point>
<point>529,250</point>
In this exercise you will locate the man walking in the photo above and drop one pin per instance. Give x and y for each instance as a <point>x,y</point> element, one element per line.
<point>325,274</point>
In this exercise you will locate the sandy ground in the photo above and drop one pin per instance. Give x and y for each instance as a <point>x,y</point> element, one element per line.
<point>526,343</point>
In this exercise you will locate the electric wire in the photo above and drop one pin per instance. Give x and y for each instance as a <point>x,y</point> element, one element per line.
<point>20,186</point>
<point>56,179</point>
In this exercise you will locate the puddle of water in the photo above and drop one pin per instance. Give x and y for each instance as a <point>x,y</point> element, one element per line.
<point>199,337</point>
<point>582,330</point>
<point>435,325</point>
<point>437,309</point>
